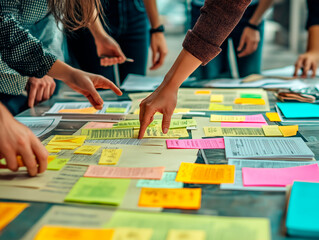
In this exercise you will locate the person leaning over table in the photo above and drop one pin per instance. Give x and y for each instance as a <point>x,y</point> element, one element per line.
<point>218,18</point>
<point>310,59</point>
<point>25,54</point>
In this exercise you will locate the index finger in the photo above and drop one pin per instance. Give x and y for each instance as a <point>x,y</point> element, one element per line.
<point>146,117</point>
<point>107,84</point>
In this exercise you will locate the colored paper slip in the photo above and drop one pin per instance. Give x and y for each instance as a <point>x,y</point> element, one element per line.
<point>219,107</point>
<point>233,132</point>
<point>115,110</point>
<point>126,233</point>
<point>205,174</point>
<point>280,177</point>
<point>124,172</point>
<point>9,211</point>
<point>52,149</point>
<point>184,198</point>
<point>242,125</point>
<point>217,98</point>
<point>89,110</point>
<point>92,125</point>
<point>202,92</point>
<point>273,117</point>
<point>167,181</point>
<point>213,143</point>
<point>272,131</point>
<point>182,110</point>
<point>183,234</point>
<point>156,132</point>
<point>250,101</point>
<point>289,131</point>
<point>67,140</point>
<point>98,190</point>
<point>21,163</point>
<point>250,95</point>
<point>226,118</point>
<point>112,133</point>
<point>73,233</point>
<point>57,163</point>
<point>110,156</point>
<point>87,150</point>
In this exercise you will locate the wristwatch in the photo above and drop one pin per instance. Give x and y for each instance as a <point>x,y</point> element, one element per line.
<point>158,29</point>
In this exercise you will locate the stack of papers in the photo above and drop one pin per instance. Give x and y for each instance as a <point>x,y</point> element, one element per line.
<point>40,125</point>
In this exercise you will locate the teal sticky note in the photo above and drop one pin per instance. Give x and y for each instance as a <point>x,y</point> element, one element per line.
<point>167,181</point>
<point>303,210</point>
<point>299,110</point>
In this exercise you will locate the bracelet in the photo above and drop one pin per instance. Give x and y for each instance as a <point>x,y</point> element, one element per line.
<point>158,29</point>
<point>252,26</point>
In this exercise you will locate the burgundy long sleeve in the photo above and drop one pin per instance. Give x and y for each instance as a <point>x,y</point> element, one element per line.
<point>217,20</point>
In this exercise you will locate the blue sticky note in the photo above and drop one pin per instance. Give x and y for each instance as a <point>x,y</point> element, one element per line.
<point>303,210</point>
<point>299,110</point>
<point>167,181</point>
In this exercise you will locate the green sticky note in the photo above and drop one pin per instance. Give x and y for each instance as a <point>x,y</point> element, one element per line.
<point>98,190</point>
<point>57,163</point>
<point>250,95</point>
<point>215,227</point>
<point>115,110</point>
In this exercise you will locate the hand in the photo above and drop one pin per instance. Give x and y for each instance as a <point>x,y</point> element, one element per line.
<point>86,84</point>
<point>159,50</point>
<point>248,43</point>
<point>162,100</point>
<point>39,89</point>
<point>307,61</point>
<point>17,140</point>
<point>107,46</point>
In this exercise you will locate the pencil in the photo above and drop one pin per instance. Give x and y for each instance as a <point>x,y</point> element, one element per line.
<point>126,60</point>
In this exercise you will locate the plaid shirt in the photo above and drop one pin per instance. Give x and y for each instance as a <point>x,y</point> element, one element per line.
<point>18,48</point>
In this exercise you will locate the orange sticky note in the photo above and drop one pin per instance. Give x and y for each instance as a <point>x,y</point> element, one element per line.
<point>288,131</point>
<point>250,101</point>
<point>73,233</point>
<point>9,211</point>
<point>89,110</point>
<point>205,174</point>
<point>202,92</point>
<point>21,163</point>
<point>273,117</point>
<point>182,198</point>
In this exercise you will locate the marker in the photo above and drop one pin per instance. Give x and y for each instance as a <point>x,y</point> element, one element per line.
<point>126,60</point>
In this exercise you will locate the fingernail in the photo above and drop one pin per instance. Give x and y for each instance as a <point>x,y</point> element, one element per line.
<point>165,130</point>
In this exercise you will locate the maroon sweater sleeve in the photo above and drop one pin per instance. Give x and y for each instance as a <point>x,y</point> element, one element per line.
<point>218,18</point>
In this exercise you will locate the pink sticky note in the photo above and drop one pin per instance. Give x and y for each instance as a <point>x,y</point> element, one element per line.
<point>124,172</point>
<point>92,125</point>
<point>259,118</point>
<point>210,143</point>
<point>242,124</point>
<point>280,177</point>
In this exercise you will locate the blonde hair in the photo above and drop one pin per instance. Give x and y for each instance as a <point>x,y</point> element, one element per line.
<point>75,14</point>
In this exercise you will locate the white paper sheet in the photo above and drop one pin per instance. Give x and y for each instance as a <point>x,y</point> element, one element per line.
<point>40,125</point>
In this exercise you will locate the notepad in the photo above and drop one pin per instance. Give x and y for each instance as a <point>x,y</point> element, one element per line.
<point>205,174</point>
<point>299,110</point>
<point>210,143</point>
<point>9,211</point>
<point>280,176</point>
<point>184,198</point>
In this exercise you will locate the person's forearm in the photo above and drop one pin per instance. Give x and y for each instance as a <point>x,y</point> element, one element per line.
<point>60,70</point>
<point>96,27</point>
<point>152,12</point>
<point>262,7</point>
<point>313,36</point>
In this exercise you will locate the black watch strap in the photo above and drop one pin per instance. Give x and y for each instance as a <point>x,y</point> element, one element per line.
<point>252,26</point>
<point>158,29</point>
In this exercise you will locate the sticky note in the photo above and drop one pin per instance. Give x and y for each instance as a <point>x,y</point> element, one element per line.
<point>156,132</point>
<point>98,190</point>
<point>93,125</point>
<point>205,174</point>
<point>226,118</point>
<point>58,148</point>
<point>288,131</point>
<point>209,143</point>
<point>21,163</point>
<point>110,156</point>
<point>280,177</point>
<point>184,234</point>
<point>272,131</point>
<point>67,140</point>
<point>299,110</point>
<point>250,95</point>
<point>233,131</point>
<point>124,172</point>
<point>167,181</point>
<point>9,211</point>
<point>116,110</point>
<point>110,133</point>
<point>87,150</point>
<point>184,198</point>
<point>89,110</point>
<point>217,98</point>
<point>181,110</point>
<point>273,117</point>
<point>52,149</point>
<point>219,107</point>
<point>202,92</point>
<point>250,101</point>
<point>73,233</point>
<point>57,163</point>
<point>125,233</point>
<point>241,125</point>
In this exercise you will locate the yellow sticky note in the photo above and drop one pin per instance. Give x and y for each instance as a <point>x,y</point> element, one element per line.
<point>272,131</point>
<point>182,110</point>
<point>156,132</point>
<point>226,118</point>
<point>202,92</point>
<point>89,110</point>
<point>125,233</point>
<point>273,117</point>
<point>213,131</point>
<point>217,98</point>
<point>182,198</point>
<point>9,211</point>
<point>288,131</point>
<point>250,101</point>
<point>219,107</point>
<point>58,148</point>
<point>67,140</point>
<point>57,164</point>
<point>52,149</point>
<point>205,174</point>
<point>110,156</point>
<point>178,234</point>
<point>87,150</point>
<point>73,233</point>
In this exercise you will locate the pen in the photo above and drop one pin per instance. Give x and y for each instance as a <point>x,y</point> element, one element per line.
<point>126,60</point>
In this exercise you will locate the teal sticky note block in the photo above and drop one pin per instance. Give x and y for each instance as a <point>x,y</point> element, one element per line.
<point>303,210</point>
<point>167,181</point>
<point>299,110</point>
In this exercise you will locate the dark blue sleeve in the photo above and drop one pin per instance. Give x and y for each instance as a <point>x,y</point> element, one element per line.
<point>313,13</point>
